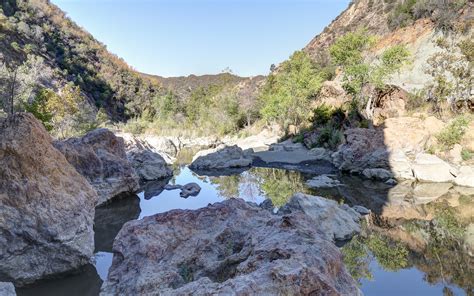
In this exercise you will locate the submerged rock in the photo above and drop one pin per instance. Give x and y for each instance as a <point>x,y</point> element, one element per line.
<point>46,206</point>
<point>7,289</point>
<point>149,165</point>
<point>337,222</point>
<point>220,158</point>
<point>100,157</point>
<point>228,248</point>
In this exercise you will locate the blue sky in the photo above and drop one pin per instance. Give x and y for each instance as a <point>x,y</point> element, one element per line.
<point>182,37</point>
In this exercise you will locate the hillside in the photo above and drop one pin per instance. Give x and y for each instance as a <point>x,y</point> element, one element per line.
<point>38,28</point>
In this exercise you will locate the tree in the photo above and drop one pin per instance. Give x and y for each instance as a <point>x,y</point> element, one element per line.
<point>288,92</point>
<point>348,53</point>
<point>19,84</point>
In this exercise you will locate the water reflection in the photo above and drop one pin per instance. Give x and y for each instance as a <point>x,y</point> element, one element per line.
<point>85,283</point>
<point>110,218</point>
<point>437,251</point>
<point>417,241</point>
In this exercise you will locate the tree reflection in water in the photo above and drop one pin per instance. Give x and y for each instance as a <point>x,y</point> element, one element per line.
<point>276,184</point>
<point>439,247</point>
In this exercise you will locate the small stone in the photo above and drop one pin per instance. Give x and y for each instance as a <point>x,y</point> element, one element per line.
<point>361,210</point>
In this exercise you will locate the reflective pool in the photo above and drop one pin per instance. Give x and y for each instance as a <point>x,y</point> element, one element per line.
<point>415,244</point>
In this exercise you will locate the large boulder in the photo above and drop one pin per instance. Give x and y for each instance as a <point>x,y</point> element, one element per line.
<point>220,158</point>
<point>337,222</point>
<point>149,165</point>
<point>46,206</point>
<point>410,134</point>
<point>100,157</point>
<point>389,102</point>
<point>228,248</point>
<point>364,149</point>
<point>400,165</point>
<point>430,168</point>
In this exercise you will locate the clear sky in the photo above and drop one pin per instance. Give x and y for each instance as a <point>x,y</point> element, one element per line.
<point>182,37</point>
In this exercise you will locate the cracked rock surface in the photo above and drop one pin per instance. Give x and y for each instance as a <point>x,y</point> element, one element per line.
<point>228,248</point>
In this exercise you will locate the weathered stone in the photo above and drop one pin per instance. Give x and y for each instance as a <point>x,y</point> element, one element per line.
<point>100,157</point>
<point>46,206</point>
<point>190,189</point>
<point>364,148</point>
<point>228,248</point>
<point>220,158</point>
<point>337,222</point>
<point>377,174</point>
<point>7,289</point>
<point>149,165</point>
<point>389,102</point>
<point>465,176</point>
<point>400,165</point>
<point>430,168</point>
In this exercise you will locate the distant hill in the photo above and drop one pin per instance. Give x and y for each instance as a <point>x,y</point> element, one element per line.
<point>184,86</point>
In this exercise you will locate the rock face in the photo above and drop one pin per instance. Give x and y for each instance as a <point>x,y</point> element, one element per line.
<point>337,222</point>
<point>100,157</point>
<point>220,158</point>
<point>364,148</point>
<point>46,206</point>
<point>7,289</point>
<point>228,248</point>
<point>430,168</point>
<point>149,165</point>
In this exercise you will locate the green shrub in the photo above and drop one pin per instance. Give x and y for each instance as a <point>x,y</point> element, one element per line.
<point>330,137</point>
<point>287,93</point>
<point>453,133</point>
<point>467,155</point>
<point>321,115</point>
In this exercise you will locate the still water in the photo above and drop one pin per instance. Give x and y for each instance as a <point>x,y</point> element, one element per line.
<point>415,245</point>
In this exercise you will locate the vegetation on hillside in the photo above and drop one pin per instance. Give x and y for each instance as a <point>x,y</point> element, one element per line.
<point>38,30</point>
<point>444,13</point>
<point>287,94</point>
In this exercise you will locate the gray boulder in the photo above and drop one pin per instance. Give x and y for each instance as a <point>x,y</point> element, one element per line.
<point>100,157</point>
<point>337,222</point>
<point>228,248</point>
<point>149,165</point>
<point>220,158</point>
<point>46,206</point>
<point>377,174</point>
<point>7,289</point>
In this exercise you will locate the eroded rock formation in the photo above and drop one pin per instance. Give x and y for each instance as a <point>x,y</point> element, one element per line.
<point>46,206</point>
<point>226,248</point>
<point>100,157</point>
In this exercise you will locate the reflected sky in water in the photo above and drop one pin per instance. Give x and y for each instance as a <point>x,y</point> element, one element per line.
<point>255,185</point>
